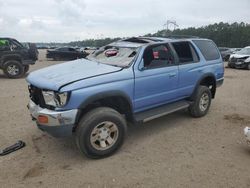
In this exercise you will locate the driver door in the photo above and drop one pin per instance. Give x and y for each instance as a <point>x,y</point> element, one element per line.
<point>156,79</point>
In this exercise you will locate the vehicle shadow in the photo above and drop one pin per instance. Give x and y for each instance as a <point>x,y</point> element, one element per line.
<point>137,133</point>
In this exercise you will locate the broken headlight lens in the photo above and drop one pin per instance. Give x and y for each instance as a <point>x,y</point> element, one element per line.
<point>54,99</point>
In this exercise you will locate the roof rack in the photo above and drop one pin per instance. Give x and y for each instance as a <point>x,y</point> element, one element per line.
<point>136,40</point>
<point>180,36</point>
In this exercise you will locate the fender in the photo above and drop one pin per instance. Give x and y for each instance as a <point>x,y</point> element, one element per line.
<point>199,82</point>
<point>10,57</point>
<point>102,95</point>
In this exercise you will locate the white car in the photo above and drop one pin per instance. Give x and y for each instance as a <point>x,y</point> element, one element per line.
<point>240,59</point>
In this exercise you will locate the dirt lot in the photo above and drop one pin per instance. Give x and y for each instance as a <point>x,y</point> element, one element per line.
<point>173,151</point>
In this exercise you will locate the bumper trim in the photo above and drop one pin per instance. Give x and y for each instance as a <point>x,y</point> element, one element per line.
<point>55,118</point>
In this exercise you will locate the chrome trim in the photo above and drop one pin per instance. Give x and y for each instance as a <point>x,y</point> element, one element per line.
<point>55,118</point>
<point>220,79</point>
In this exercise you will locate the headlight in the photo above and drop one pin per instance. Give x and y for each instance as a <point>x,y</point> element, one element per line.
<point>247,60</point>
<point>55,99</point>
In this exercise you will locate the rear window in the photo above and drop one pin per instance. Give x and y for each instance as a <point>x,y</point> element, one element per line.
<point>208,49</point>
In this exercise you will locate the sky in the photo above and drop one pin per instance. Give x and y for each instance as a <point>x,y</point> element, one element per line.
<point>70,20</point>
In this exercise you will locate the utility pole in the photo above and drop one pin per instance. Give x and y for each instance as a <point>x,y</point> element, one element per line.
<point>170,22</point>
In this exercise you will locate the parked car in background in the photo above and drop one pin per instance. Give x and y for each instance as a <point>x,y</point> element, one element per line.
<point>132,80</point>
<point>235,50</point>
<point>225,52</point>
<point>15,58</point>
<point>240,59</point>
<point>65,53</point>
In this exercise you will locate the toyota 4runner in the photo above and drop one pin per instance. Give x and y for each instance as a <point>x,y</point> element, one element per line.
<point>131,80</point>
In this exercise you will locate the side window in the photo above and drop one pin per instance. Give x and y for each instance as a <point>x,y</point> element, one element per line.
<point>63,49</point>
<point>186,52</point>
<point>208,49</point>
<point>14,46</point>
<point>4,45</point>
<point>157,56</point>
<point>72,50</point>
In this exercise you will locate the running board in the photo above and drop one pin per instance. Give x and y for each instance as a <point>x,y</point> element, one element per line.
<point>161,111</point>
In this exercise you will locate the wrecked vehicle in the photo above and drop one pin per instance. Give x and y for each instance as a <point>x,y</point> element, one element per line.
<point>225,52</point>
<point>133,80</point>
<point>15,58</point>
<point>65,53</point>
<point>241,59</point>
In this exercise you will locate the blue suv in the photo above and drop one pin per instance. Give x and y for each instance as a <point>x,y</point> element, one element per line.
<point>132,80</point>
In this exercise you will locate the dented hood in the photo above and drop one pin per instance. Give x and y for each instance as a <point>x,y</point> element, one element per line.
<point>56,76</point>
<point>239,56</point>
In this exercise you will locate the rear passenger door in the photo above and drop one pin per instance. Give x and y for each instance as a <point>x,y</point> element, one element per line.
<point>213,62</point>
<point>190,67</point>
<point>156,78</point>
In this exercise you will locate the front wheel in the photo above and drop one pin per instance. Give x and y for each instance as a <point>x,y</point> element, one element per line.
<point>201,102</point>
<point>13,69</point>
<point>100,132</point>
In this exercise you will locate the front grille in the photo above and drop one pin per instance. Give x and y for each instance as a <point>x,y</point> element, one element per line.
<point>240,60</point>
<point>36,96</point>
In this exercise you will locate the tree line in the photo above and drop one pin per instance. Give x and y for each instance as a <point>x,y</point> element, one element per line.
<point>235,35</point>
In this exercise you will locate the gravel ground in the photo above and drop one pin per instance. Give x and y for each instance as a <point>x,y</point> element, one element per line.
<point>172,151</point>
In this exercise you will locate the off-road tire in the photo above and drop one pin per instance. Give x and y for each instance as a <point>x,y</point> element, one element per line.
<point>13,69</point>
<point>196,109</point>
<point>89,122</point>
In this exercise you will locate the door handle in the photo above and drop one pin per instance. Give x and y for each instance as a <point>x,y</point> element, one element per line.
<point>172,75</point>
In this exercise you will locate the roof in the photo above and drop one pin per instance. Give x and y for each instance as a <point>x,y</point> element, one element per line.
<point>6,38</point>
<point>135,42</point>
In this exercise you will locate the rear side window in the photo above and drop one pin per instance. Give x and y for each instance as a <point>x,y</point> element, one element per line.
<point>208,49</point>
<point>186,52</point>
<point>63,49</point>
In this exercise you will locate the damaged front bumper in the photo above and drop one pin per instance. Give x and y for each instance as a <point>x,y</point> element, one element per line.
<point>238,64</point>
<point>56,123</point>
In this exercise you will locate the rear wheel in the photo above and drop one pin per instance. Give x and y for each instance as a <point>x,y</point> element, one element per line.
<point>201,102</point>
<point>13,69</point>
<point>100,132</point>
